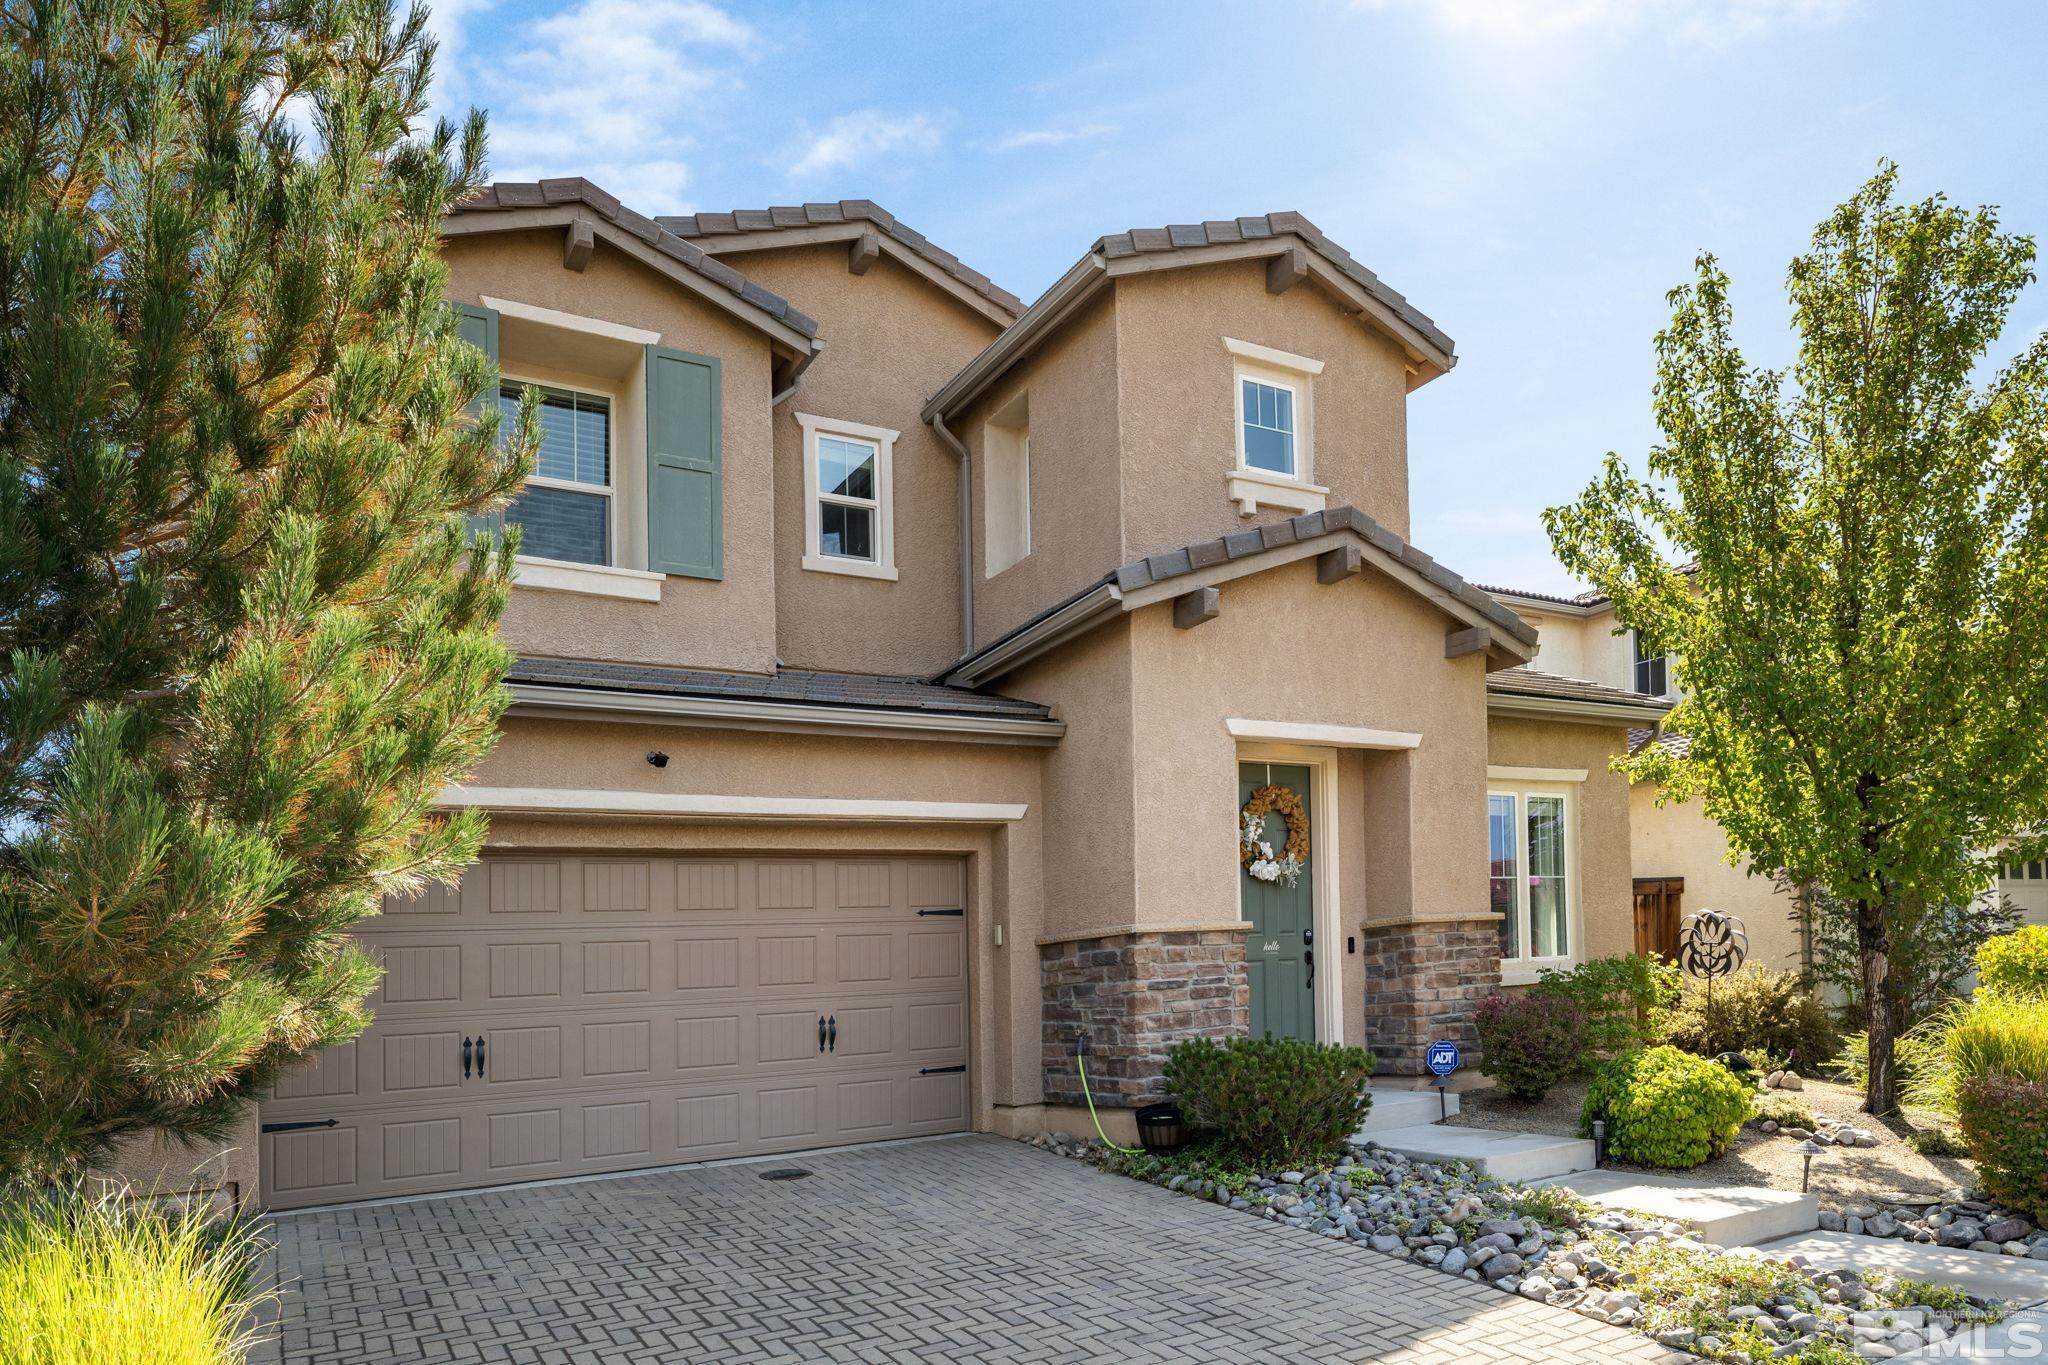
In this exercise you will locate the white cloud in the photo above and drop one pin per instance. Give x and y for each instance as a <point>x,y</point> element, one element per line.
<point>1709,23</point>
<point>860,139</point>
<point>601,90</point>
<point>1050,137</point>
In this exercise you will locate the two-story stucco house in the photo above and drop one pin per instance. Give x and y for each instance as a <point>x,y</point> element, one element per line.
<point>896,661</point>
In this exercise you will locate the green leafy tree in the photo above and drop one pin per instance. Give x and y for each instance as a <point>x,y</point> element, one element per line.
<point>1934,946</point>
<point>244,638</point>
<point>1862,631</point>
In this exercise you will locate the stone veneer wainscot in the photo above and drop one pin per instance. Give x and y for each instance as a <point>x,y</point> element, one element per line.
<point>1423,978</point>
<point>1137,994</point>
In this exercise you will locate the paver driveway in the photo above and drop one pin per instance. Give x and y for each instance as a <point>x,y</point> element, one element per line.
<point>959,1249</point>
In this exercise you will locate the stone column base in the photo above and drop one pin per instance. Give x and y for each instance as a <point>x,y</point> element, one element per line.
<point>1423,979</point>
<point>1137,994</point>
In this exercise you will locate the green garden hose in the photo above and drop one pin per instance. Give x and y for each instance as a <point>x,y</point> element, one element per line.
<point>1081,1064</point>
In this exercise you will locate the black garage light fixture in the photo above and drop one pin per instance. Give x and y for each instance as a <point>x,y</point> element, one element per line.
<point>657,758</point>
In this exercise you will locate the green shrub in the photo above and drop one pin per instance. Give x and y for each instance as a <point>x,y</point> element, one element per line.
<point>1666,1108</point>
<point>1937,1142</point>
<point>2015,964</point>
<point>1529,1042</point>
<point>1916,1053</point>
<point>1619,997</point>
<point>115,1281</point>
<point>1993,1035</point>
<point>1271,1102</point>
<point>1785,1108</point>
<point>2005,1121</point>
<point>1771,1017</point>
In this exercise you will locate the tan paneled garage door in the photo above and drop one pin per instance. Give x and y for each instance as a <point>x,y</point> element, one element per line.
<point>560,1016</point>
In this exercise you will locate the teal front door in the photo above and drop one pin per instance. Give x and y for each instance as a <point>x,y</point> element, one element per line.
<point>1281,916</point>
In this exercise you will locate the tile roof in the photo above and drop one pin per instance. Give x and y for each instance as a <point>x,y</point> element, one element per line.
<point>792,685</point>
<point>1189,558</point>
<point>506,196</point>
<point>1524,681</point>
<point>1641,738</point>
<point>784,217</point>
<point>1591,598</point>
<point>1220,232</point>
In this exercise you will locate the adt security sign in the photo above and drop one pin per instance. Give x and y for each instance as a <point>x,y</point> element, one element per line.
<point>1443,1058</point>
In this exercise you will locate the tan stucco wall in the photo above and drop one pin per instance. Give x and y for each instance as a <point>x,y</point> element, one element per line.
<point>154,1165</point>
<point>724,624</point>
<point>1178,413</point>
<point>1005,858</point>
<point>1679,840</point>
<point>1606,904</point>
<point>891,338</point>
<point>1075,538</point>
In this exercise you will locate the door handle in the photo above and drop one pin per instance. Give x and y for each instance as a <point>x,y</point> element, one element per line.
<point>821,1033</point>
<point>1308,960</point>
<point>479,1054</point>
<point>832,1033</point>
<point>466,1046</point>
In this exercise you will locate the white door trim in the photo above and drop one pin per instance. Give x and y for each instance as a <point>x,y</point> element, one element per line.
<point>1323,874</point>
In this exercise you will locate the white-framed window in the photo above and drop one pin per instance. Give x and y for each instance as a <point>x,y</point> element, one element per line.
<point>1532,875</point>
<point>567,512</point>
<point>1274,409</point>
<point>1653,671</point>
<point>849,519</point>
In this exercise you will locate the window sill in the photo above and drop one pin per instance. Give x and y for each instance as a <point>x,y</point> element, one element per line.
<point>588,580</point>
<point>1252,489</point>
<point>1524,973</point>
<point>852,568</point>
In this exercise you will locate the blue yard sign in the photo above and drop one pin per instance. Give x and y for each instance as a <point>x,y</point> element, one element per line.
<point>1443,1058</point>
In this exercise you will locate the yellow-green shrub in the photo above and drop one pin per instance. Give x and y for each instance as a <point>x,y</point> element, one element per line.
<point>122,1282</point>
<point>1992,1035</point>
<point>2015,964</point>
<point>1666,1108</point>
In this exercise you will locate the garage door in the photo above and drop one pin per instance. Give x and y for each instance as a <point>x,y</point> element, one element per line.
<point>563,1016</point>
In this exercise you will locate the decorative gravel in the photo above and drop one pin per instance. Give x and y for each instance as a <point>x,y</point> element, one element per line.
<point>1545,1245</point>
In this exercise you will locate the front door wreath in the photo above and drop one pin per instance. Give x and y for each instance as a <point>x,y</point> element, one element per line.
<point>1255,854</point>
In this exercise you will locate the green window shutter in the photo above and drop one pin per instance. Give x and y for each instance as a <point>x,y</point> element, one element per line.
<point>479,328</point>
<point>685,471</point>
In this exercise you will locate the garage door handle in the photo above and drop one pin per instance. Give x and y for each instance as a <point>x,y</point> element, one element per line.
<point>941,1070</point>
<point>479,1055</point>
<point>821,1033</point>
<point>832,1033</point>
<point>466,1046</point>
<point>922,913</point>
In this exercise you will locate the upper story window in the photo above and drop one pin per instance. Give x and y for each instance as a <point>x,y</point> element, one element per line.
<point>849,521</point>
<point>1653,671</point>
<point>1274,405</point>
<point>1006,492</point>
<point>1531,876</point>
<point>566,510</point>
<point>1266,413</point>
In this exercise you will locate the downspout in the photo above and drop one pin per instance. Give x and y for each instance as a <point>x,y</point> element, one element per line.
<point>952,443</point>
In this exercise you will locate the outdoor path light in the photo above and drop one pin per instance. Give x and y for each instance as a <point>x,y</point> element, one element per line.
<point>1808,1149</point>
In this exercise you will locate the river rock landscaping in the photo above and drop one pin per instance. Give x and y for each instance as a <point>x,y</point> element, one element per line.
<point>1548,1245</point>
<point>1966,1224</point>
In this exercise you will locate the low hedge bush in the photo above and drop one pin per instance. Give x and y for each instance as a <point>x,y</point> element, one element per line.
<point>122,1281</point>
<point>1785,1109</point>
<point>1770,1017</point>
<point>2015,964</point>
<point>2005,1122</point>
<point>1529,1042</point>
<point>1666,1108</point>
<point>1271,1103</point>
<point>1620,998</point>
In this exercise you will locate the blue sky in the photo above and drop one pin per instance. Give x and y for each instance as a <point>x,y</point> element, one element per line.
<point>1535,176</point>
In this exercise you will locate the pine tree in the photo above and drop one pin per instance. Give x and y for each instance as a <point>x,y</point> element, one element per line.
<point>244,637</point>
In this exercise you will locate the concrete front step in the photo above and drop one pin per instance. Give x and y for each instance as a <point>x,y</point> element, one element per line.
<point>2017,1279</point>
<point>1402,1109</point>
<point>1726,1215</point>
<point>1519,1157</point>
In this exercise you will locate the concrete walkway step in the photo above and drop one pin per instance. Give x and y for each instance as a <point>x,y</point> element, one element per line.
<point>2017,1279</point>
<point>1403,1109</point>
<point>1517,1157</point>
<point>1726,1215</point>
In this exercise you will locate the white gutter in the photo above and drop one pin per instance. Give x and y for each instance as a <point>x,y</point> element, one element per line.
<point>738,713</point>
<point>1081,614</point>
<point>584,801</point>
<point>1560,708</point>
<point>952,443</point>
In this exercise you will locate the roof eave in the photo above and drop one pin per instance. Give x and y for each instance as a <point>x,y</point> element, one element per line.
<point>779,239</point>
<point>553,701</point>
<point>1574,709</point>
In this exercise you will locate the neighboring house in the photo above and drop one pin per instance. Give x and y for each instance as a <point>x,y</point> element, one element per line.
<point>2026,886</point>
<point>895,660</point>
<point>1681,860</point>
